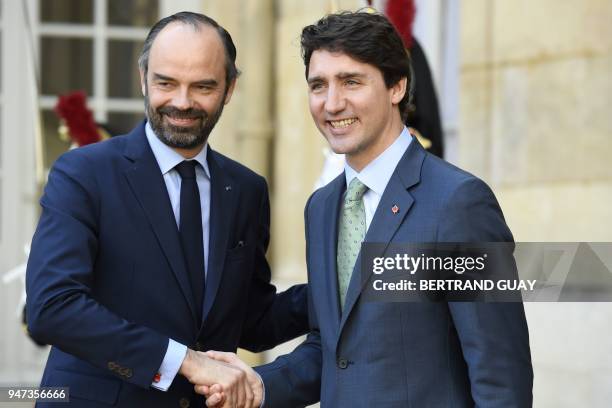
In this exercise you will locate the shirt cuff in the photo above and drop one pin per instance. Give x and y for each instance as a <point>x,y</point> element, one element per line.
<point>263,387</point>
<point>175,354</point>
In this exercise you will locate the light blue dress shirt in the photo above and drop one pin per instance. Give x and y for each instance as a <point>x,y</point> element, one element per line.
<point>167,159</point>
<point>378,172</point>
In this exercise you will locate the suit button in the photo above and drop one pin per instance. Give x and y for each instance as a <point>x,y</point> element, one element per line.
<point>184,403</point>
<point>342,363</point>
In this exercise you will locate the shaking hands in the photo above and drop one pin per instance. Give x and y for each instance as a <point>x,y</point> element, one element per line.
<point>224,379</point>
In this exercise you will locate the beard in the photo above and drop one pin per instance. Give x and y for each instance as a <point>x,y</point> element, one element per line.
<point>183,137</point>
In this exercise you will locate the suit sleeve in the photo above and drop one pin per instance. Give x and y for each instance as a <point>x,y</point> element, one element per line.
<point>62,307</point>
<point>294,380</point>
<point>273,318</point>
<point>494,336</point>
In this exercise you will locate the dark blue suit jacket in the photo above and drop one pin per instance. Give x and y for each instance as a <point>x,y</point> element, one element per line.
<point>107,283</point>
<point>383,354</point>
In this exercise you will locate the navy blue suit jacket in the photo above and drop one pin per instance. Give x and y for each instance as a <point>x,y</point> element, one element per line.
<point>383,354</point>
<point>107,284</point>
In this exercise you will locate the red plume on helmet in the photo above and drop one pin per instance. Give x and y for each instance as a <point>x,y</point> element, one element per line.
<point>401,14</point>
<point>72,109</point>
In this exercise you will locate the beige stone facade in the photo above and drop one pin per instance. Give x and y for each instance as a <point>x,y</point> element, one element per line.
<point>535,123</point>
<point>535,91</point>
<point>535,94</point>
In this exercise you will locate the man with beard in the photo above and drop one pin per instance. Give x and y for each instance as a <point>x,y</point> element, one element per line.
<point>151,247</point>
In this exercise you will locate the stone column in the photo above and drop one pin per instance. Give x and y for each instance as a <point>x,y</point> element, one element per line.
<point>224,137</point>
<point>255,126</point>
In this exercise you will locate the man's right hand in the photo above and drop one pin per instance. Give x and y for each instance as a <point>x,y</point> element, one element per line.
<point>200,370</point>
<point>214,397</point>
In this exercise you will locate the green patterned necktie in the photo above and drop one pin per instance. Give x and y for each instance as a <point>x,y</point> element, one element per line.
<point>351,231</point>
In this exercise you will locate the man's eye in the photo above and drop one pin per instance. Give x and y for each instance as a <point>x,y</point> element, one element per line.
<point>316,86</point>
<point>351,82</point>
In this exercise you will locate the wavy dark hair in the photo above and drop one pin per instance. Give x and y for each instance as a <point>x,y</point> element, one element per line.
<point>367,37</point>
<point>196,20</point>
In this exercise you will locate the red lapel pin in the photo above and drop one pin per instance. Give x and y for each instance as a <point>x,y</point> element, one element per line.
<point>395,209</point>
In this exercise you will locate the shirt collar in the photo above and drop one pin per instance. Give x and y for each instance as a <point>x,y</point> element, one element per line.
<point>376,174</point>
<point>167,158</point>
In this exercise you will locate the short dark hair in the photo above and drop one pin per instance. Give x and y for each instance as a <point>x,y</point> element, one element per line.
<point>196,20</point>
<point>367,37</point>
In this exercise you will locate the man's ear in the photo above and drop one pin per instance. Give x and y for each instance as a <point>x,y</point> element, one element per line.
<point>230,91</point>
<point>399,90</point>
<point>143,82</point>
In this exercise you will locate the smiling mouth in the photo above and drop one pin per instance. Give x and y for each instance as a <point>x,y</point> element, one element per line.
<point>339,124</point>
<point>181,121</point>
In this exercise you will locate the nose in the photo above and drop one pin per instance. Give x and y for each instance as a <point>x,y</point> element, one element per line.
<point>182,99</point>
<point>335,101</point>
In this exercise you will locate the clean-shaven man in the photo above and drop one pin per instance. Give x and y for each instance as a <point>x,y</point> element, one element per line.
<point>363,353</point>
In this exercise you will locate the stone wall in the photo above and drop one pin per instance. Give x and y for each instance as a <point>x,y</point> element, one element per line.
<point>536,89</point>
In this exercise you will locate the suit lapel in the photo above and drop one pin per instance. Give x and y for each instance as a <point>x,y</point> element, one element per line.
<point>385,222</point>
<point>330,236</point>
<point>223,201</point>
<point>147,184</point>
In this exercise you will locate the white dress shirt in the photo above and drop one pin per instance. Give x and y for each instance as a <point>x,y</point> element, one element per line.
<point>167,159</point>
<point>378,172</point>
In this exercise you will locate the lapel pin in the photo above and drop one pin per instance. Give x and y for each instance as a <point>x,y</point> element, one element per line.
<point>228,188</point>
<point>395,209</point>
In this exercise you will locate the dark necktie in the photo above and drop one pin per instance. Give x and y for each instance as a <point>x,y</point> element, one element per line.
<point>190,230</point>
